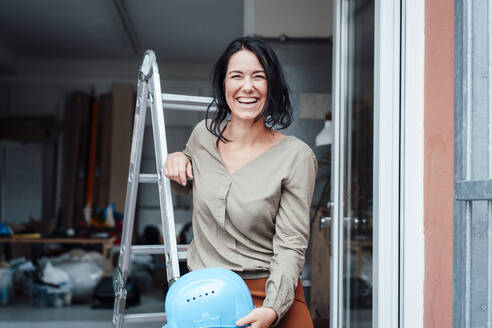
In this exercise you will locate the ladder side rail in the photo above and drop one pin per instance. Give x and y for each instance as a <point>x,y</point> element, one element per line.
<point>165,199</point>
<point>121,273</point>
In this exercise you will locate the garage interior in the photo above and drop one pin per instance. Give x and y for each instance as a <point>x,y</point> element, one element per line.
<point>68,77</point>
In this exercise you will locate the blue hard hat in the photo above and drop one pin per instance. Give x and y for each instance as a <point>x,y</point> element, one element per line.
<point>207,298</point>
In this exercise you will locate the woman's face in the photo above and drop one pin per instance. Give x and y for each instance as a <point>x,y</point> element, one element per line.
<point>245,86</point>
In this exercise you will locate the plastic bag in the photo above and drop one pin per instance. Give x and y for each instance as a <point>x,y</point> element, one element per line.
<point>52,275</point>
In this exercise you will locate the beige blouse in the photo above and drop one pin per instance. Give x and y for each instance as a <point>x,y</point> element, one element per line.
<point>254,221</point>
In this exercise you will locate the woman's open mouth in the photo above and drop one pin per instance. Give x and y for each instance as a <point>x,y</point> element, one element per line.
<point>247,100</point>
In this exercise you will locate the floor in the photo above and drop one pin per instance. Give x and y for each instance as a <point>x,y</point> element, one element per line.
<point>23,315</point>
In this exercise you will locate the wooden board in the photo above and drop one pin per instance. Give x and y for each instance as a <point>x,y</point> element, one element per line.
<point>121,140</point>
<point>78,106</point>
<point>105,150</point>
<point>320,271</point>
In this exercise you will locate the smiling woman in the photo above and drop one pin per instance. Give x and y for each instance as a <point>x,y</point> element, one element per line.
<point>250,55</point>
<point>252,185</point>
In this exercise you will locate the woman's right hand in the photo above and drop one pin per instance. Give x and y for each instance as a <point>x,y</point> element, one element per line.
<point>177,167</point>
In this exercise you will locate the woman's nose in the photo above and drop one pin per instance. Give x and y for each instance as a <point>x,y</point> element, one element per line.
<point>247,85</point>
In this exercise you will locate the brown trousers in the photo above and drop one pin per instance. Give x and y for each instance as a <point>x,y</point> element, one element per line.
<point>298,315</point>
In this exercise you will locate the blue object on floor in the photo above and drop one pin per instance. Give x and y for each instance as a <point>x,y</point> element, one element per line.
<point>5,230</point>
<point>205,298</point>
<point>45,296</point>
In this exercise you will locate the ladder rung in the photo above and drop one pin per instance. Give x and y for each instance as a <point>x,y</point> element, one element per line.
<point>158,249</point>
<point>145,317</point>
<point>185,99</point>
<point>184,102</point>
<point>196,108</point>
<point>148,178</point>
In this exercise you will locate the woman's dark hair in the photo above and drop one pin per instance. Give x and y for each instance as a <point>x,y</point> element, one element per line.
<point>278,109</point>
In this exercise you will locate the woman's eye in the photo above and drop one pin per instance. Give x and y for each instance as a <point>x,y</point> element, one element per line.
<point>259,76</point>
<point>235,76</point>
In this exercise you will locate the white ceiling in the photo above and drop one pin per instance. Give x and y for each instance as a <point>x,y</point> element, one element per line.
<point>178,30</point>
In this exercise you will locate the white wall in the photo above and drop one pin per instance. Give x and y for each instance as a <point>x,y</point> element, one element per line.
<point>20,181</point>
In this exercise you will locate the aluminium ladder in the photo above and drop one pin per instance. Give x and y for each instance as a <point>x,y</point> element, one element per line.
<point>149,95</point>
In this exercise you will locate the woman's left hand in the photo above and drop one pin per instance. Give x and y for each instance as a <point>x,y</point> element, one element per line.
<point>262,317</point>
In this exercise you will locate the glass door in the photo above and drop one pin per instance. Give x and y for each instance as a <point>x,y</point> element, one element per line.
<point>352,192</point>
<point>356,188</point>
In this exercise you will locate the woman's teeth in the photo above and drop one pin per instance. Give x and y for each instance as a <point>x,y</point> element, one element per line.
<point>247,100</point>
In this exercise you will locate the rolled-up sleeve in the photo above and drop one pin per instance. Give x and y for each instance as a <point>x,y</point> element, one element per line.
<point>291,236</point>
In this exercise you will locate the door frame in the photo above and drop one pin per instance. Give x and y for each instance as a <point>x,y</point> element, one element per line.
<point>387,63</point>
<point>412,241</point>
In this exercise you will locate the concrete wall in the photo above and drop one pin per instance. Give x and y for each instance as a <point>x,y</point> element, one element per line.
<point>42,86</point>
<point>438,165</point>
<point>307,67</point>
<point>293,18</point>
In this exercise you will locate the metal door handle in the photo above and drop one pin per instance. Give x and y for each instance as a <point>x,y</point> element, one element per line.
<point>324,221</point>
